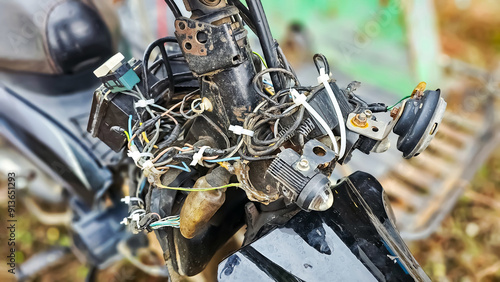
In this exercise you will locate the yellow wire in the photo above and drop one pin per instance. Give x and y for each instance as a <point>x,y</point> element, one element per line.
<point>262,59</point>
<point>128,136</point>
<point>198,189</point>
<point>146,138</point>
<point>269,91</point>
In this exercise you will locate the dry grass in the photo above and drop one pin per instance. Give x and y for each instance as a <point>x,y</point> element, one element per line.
<point>467,246</point>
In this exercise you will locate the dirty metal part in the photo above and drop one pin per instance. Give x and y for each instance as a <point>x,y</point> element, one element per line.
<point>199,207</point>
<point>302,182</point>
<point>269,195</point>
<point>210,2</point>
<point>395,112</point>
<point>202,7</point>
<point>221,56</point>
<point>209,47</point>
<point>373,129</point>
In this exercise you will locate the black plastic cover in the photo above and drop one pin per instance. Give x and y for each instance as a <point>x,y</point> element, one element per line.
<point>416,116</point>
<point>353,241</point>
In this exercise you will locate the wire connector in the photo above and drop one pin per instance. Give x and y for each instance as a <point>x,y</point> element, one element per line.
<point>239,130</point>
<point>198,156</point>
<point>144,103</point>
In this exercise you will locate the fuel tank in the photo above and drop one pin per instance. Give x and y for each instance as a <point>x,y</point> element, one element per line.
<point>355,240</point>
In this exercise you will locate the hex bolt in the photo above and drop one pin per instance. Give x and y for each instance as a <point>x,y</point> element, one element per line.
<point>394,112</point>
<point>360,120</point>
<point>303,164</point>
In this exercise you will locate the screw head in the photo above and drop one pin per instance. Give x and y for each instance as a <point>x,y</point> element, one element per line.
<point>303,164</point>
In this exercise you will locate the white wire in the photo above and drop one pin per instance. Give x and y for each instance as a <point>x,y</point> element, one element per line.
<point>323,78</point>
<point>301,99</point>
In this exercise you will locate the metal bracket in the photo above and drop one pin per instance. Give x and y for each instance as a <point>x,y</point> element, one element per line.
<point>373,129</point>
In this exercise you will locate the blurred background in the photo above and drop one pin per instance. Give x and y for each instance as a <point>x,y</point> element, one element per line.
<point>446,201</point>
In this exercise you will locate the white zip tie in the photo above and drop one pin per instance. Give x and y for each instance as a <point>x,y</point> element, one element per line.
<point>239,130</point>
<point>197,156</point>
<point>144,103</point>
<point>301,99</point>
<point>323,78</point>
<point>150,167</point>
<point>136,155</point>
<point>127,200</point>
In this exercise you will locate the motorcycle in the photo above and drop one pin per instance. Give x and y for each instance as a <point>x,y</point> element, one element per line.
<point>211,137</point>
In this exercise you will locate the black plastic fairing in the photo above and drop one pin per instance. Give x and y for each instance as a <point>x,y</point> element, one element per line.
<point>353,241</point>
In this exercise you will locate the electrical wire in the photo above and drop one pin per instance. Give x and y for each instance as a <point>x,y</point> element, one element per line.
<point>338,113</point>
<point>302,101</point>
<point>223,160</point>
<point>262,60</point>
<point>130,129</point>
<point>159,185</point>
<point>390,107</point>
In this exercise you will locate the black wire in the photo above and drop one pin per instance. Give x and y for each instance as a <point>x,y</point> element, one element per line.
<point>173,7</point>
<point>257,84</point>
<point>320,58</point>
<point>145,61</point>
<point>266,39</point>
<point>266,150</point>
<point>261,158</point>
<point>284,60</point>
<point>160,61</point>
<point>245,14</point>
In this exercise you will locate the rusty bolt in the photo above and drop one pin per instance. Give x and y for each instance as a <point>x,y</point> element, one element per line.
<point>394,112</point>
<point>360,120</point>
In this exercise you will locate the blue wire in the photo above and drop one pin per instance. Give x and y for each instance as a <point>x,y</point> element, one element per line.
<point>130,128</point>
<point>223,160</point>
<point>185,168</point>
<point>142,186</point>
<point>268,83</point>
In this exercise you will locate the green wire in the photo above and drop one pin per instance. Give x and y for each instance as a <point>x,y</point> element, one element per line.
<point>262,59</point>
<point>390,108</point>
<point>154,224</point>
<point>198,189</point>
